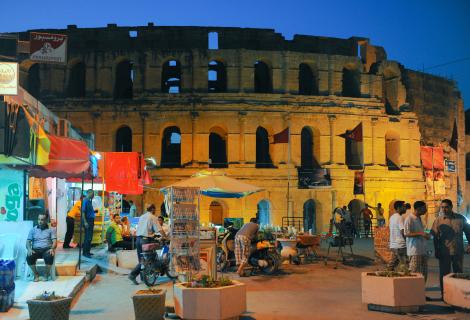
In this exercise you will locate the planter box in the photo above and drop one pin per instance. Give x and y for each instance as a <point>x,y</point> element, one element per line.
<point>457,291</point>
<point>149,306</point>
<point>397,293</point>
<point>210,303</point>
<point>49,310</point>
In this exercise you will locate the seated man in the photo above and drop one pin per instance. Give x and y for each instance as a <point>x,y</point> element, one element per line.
<point>114,235</point>
<point>41,243</point>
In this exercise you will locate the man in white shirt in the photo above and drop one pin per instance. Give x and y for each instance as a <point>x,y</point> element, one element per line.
<point>397,238</point>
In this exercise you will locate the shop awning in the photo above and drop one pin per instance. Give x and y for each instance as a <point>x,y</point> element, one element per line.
<point>67,158</point>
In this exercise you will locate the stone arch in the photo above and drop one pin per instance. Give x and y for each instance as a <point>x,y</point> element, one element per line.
<point>264,213</point>
<point>310,216</point>
<point>171,147</point>
<point>171,76</point>
<point>217,76</point>
<point>217,212</point>
<point>123,139</point>
<point>263,79</point>
<point>351,81</point>
<point>310,148</point>
<point>218,147</point>
<point>355,206</point>
<point>32,82</point>
<point>392,150</point>
<point>308,79</point>
<point>76,84</point>
<point>263,156</point>
<point>123,78</point>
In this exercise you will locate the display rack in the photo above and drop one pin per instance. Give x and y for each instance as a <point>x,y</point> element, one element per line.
<point>183,207</point>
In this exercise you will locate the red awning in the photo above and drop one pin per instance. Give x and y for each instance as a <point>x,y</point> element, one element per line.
<point>67,158</point>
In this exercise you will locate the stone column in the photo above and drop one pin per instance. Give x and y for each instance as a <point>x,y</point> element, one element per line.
<point>143,118</point>
<point>194,117</point>
<point>373,144</point>
<point>285,72</point>
<point>331,75</point>
<point>242,124</point>
<point>96,129</point>
<point>288,124</point>
<point>332,120</point>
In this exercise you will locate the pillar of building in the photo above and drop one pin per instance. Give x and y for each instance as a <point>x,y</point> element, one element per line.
<point>332,121</point>
<point>373,142</point>
<point>143,117</point>
<point>242,125</point>
<point>194,118</point>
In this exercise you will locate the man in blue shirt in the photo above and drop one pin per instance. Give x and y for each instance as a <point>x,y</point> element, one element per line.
<point>88,218</point>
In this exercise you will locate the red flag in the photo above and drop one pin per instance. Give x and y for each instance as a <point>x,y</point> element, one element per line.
<point>282,137</point>
<point>122,172</point>
<point>453,143</point>
<point>354,134</point>
<point>426,157</point>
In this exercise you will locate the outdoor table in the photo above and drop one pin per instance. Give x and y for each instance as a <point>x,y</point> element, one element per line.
<point>289,249</point>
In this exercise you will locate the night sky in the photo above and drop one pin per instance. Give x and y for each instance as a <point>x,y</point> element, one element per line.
<point>421,34</point>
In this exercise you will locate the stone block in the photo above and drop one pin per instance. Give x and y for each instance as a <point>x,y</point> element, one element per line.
<point>457,291</point>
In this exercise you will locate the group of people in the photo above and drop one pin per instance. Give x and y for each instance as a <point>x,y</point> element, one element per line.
<point>408,239</point>
<point>346,216</point>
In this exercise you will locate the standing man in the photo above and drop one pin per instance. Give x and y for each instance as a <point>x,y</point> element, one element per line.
<point>379,213</point>
<point>133,209</point>
<point>367,218</point>
<point>243,240</point>
<point>147,228</point>
<point>448,230</point>
<point>88,218</point>
<point>397,238</point>
<point>70,221</point>
<point>416,240</point>
<point>41,243</point>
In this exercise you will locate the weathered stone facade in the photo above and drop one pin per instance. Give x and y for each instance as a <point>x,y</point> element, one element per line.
<point>128,77</point>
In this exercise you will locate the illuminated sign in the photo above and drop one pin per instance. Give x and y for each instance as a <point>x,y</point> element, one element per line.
<point>8,78</point>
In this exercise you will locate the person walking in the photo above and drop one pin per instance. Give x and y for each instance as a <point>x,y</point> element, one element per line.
<point>416,240</point>
<point>147,228</point>
<point>397,238</point>
<point>448,230</point>
<point>70,222</point>
<point>88,218</point>
<point>243,240</point>
<point>367,218</point>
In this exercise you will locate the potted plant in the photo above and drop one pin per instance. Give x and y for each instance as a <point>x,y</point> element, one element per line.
<point>48,306</point>
<point>457,290</point>
<point>209,299</point>
<point>149,304</point>
<point>392,291</point>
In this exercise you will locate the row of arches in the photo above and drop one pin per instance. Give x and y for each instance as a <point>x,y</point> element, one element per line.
<point>217,157</point>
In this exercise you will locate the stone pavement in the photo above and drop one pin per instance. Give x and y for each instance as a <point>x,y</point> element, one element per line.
<point>312,291</point>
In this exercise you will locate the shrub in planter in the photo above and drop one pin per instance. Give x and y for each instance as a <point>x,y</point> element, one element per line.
<point>210,299</point>
<point>48,306</point>
<point>457,290</point>
<point>149,304</point>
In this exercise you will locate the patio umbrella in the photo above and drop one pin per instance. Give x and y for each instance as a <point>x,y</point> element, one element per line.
<point>217,185</point>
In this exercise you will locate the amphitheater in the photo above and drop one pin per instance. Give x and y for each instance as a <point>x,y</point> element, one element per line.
<point>212,98</point>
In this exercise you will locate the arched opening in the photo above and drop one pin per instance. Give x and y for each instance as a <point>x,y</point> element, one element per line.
<point>217,148</point>
<point>264,213</point>
<point>34,81</point>
<point>392,150</point>
<point>123,82</point>
<point>171,148</point>
<point>355,206</point>
<point>390,86</point>
<point>216,213</point>
<point>308,80</point>
<point>217,77</point>
<point>310,216</point>
<point>263,158</point>
<point>77,78</point>
<point>467,166</point>
<point>124,139</point>
<point>171,77</point>
<point>263,78</point>
<point>307,151</point>
<point>351,82</point>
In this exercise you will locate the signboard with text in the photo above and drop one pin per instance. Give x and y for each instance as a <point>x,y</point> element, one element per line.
<point>9,78</point>
<point>11,194</point>
<point>451,166</point>
<point>48,47</point>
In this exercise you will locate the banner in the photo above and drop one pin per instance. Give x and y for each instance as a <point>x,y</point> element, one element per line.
<point>123,172</point>
<point>11,194</point>
<point>311,178</point>
<point>359,182</point>
<point>9,78</point>
<point>48,47</point>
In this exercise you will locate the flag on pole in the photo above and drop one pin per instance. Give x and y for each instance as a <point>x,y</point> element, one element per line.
<point>281,137</point>
<point>455,137</point>
<point>354,134</point>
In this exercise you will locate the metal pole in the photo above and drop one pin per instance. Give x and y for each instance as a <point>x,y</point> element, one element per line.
<point>81,224</point>
<point>288,175</point>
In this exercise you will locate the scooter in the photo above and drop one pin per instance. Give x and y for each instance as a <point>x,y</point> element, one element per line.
<point>226,249</point>
<point>154,263</point>
<point>264,258</point>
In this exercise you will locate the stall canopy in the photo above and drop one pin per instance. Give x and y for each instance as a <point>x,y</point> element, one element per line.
<point>217,185</point>
<point>67,158</point>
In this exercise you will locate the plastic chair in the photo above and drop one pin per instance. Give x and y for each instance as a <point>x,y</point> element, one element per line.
<point>40,263</point>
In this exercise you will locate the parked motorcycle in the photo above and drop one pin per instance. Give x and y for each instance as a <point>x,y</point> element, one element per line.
<point>226,249</point>
<point>155,261</point>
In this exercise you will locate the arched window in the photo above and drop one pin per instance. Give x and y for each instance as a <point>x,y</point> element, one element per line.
<point>213,40</point>
<point>263,158</point>
<point>307,153</point>
<point>77,80</point>
<point>308,80</point>
<point>217,77</point>
<point>264,213</point>
<point>124,139</point>
<point>216,213</point>
<point>310,216</point>
<point>171,148</point>
<point>34,81</point>
<point>123,82</point>
<point>392,150</point>
<point>390,91</point>
<point>217,148</point>
<point>171,77</point>
<point>351,82</point>
<point>263,78</point>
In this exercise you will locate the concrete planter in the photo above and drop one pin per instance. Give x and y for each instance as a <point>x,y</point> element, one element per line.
<point>210,303</point>
<point>149,306</point>
<point>46,310</point>
<point>457,291</point>
<point>393,294</point>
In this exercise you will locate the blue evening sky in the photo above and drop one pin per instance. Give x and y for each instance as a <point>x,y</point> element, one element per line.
<point>420,34</point>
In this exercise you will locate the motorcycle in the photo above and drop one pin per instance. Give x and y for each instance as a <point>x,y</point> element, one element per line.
<point>226,249</point>
<point>155,263</point>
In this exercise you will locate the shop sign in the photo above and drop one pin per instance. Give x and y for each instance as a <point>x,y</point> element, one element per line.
<point>48,47</point>
<point>11,195</point>
<point>8,78</point>
<point>450,166</point>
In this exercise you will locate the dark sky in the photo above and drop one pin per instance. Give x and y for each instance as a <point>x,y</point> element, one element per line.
<point>421,34</point>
